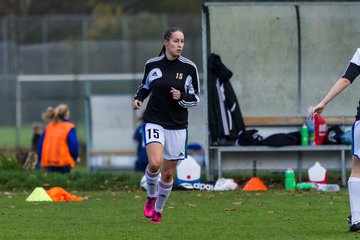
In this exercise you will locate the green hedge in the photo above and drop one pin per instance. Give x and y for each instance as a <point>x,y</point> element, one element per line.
<point>13,177</point>
<point>16,180</point>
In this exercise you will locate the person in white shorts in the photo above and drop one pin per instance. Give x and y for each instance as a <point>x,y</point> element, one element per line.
<point>351,72</point>
<point>172,82</point>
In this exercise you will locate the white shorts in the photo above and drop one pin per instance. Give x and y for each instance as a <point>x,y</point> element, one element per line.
<point>356,139</point>
<point>173,141</point>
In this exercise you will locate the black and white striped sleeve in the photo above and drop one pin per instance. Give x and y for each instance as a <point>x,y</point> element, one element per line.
<point>144,88</point>
<point>353,69</point>
<point>191,96</point>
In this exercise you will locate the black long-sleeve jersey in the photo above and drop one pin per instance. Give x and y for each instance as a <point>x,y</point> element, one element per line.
<point>159,76</point>
<point>352,71</point>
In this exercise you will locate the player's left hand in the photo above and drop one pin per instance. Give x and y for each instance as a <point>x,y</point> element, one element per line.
<point>176,94</point>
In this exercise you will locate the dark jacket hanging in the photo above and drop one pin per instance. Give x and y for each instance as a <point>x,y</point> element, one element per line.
<point>225,118</point>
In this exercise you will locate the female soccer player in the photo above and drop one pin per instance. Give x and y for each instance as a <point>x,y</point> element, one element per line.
<point>172,82</point>
<point>352,71</point>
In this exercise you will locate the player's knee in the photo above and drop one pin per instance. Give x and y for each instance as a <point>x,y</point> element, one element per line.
<point>154,162</point>
<point>167,176</point>
<point>154,166</point>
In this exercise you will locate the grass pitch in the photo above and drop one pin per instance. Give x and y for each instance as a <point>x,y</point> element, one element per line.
<point>274,214</point>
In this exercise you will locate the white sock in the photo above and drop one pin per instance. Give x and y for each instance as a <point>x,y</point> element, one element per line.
<point>163,194</point>
<point>151,182</point>
<point>354,195</point>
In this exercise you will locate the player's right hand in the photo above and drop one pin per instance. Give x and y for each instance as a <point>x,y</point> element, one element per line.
<point>317,110</point>
<point>136,104</point>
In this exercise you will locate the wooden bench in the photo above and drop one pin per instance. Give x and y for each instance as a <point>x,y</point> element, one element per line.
<point>108,159</point>
<point>292,121</point>
<point>109,153</point>
<point>217,151</point>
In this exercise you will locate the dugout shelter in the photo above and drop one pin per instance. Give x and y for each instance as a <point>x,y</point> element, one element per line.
<point>284,58</point>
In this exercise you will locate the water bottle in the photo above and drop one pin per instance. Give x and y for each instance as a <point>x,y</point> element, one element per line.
<point>312,137</point>
<point>305,185</point>
<point>310,125</point>
<point>327,187</point>
<point>290,179</point>
<point>304,135</point>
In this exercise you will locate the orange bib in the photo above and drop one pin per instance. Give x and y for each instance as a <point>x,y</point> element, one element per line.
<point>55,150</point>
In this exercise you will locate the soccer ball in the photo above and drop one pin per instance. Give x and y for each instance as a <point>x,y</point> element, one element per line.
<point>143,184</point>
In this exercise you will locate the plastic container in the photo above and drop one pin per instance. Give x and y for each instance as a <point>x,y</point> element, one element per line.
<point>327,187</point>
<point>305,185</point>
<point>290,181</point>
<point>188,171</point>
<point>304,135</point>
<point>317,173</point>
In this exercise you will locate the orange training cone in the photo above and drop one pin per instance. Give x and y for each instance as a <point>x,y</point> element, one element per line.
<point>254,184</point>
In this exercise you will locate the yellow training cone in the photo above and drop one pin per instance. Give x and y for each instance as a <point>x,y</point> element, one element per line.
<point>39,195</point>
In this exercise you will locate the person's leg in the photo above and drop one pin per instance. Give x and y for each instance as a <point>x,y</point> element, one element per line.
<point>165,184</point>
<point>152,172</point>
<point>354,190</point>
<point>65,169</point>
<point>174,150</point>
<point>154,140</point>
<point>354,180</point>
<point>57,170</point>
<point>164,189</point>
<point>155,156</point>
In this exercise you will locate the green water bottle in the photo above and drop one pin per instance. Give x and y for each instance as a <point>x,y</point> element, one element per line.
<point>305,185</point>
<point>304,135</point>
<point>290,182</point>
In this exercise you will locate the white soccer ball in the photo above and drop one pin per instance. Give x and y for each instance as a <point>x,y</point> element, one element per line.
<point>143,184</point>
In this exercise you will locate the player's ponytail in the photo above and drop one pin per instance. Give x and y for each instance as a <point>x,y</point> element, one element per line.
<point>49,115</point>
<point>162,51</point>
